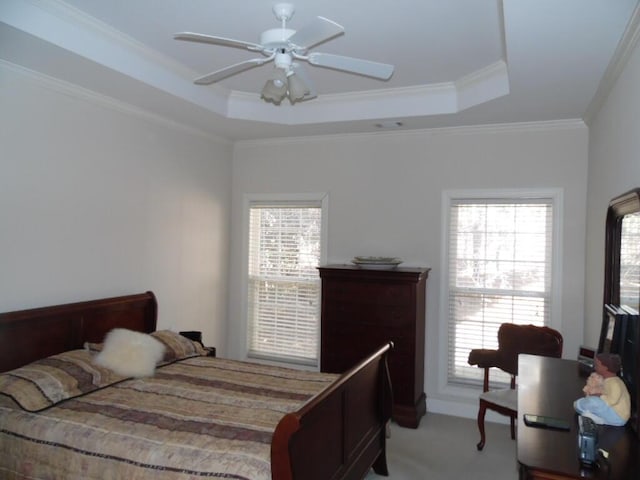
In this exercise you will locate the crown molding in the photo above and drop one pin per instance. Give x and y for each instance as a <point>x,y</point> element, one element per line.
<point>483,85</point>
<point>77,18</point>
<point>372,104</point>
<point>629,41</point>
<point>489,129</point>
<point>69,28</point>
<point>66,27</point>
<point>74,91</point>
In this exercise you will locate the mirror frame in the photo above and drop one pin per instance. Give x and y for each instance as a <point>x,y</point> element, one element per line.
<point>620,206</point>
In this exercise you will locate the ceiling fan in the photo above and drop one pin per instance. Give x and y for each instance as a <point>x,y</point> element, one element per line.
<point>284,46</point>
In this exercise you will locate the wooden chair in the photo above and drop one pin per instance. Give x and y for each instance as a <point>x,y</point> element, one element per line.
<point>512,340</point>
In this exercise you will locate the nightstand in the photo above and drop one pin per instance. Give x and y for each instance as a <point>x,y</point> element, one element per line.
<point>211,351</point>
<point>196,336</point>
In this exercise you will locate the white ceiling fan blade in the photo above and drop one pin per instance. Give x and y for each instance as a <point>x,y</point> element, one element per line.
<point>381,71</point>
<point>318,31</point>
<point>227,42</point>
<point>302,73</point>
<point>231,70</point>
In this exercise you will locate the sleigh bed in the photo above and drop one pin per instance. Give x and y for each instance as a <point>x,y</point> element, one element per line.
<point>196,417</point>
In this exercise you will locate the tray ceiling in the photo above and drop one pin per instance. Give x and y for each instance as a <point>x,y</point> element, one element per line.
<point>457,62</point>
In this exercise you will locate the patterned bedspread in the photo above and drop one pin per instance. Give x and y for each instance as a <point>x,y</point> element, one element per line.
<point>202,417</point>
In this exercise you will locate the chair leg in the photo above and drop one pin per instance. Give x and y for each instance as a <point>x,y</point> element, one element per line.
<point>513,427</point>
<point>481,413</point>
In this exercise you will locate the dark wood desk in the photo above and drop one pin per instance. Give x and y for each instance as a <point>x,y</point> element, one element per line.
<point>549,386</point>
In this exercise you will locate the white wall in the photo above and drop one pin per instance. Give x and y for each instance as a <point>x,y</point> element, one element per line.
<point>614,168</point>
<point>96,201</point>
<point>385,199</point>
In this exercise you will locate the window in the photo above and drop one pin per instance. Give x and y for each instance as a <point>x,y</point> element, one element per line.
<point>283,283</point>
<point>499,270</point>
<point>622,256</point>
<point>630,260</point>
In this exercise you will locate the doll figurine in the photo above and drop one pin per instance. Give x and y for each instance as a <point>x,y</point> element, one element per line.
<point>607,402</point>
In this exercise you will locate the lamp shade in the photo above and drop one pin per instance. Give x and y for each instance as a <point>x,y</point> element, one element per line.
<point>276,88</point>
<point>297,88</point>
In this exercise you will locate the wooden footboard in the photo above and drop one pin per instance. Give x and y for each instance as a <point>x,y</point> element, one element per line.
<point>340,433</point>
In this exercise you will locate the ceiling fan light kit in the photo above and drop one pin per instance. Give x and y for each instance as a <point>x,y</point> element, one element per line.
<point>283,46</point>
<point>284,85</point>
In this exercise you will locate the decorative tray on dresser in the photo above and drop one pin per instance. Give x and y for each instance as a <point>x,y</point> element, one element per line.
<point>362,308</point>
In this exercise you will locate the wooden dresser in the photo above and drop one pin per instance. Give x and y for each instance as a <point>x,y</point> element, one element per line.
<point>361,310</point>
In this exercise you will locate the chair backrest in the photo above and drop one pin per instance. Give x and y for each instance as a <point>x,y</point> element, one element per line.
<point>515,339</point>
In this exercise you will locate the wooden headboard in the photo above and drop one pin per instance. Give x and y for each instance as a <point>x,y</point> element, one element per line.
<point>28,335</point>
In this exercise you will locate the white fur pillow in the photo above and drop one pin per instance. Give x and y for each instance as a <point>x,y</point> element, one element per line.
<point>129,353</point>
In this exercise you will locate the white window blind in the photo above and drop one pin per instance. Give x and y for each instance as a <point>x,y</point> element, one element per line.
<point>284,284</point>
<point>500,254</point>
<point>630,260</point>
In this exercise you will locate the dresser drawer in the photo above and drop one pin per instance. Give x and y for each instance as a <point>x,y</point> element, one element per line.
<point>356,335</point>
<point>344,345</point>
<point>368,293</point>
<point>374,315</point>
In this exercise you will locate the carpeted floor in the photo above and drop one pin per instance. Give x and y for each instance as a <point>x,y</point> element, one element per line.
<point>444,448</point>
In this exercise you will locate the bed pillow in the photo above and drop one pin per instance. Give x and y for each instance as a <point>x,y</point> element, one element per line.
<point>178,347</point>
<point>130,353</point>
<point>48,381</point>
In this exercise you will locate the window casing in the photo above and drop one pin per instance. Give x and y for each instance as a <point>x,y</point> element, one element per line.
<point>283,285</point>
<point>499,268</point>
